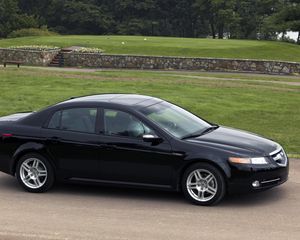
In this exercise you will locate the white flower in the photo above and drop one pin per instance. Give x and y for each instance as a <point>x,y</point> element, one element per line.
<point>88,50</point>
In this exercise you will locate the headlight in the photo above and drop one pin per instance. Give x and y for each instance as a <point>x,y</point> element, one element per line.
<point>256,160</point>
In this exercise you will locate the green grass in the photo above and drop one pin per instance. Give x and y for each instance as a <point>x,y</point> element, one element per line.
<point>166,46</point>
<point>267,105</point>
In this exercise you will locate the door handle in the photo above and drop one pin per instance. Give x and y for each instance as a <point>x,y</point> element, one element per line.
<point>107,146</point>
<point>54,139</point>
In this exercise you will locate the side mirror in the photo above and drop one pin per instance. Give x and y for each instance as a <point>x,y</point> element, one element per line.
<point>152,138</point>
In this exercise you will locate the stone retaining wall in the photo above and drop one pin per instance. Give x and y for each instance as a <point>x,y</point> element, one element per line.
<point>28,57</point>
<point>91,60</point>
<point>97,60</point>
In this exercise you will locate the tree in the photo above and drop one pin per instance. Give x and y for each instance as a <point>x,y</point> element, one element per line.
<point>246,19</point>
<point>219,13</point>
<point>12,19</point>
<point>286,18</point>
<point>78,17</point>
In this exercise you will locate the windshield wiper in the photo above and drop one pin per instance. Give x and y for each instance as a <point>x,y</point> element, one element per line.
<point>197,134</point>
<point>210,129</point>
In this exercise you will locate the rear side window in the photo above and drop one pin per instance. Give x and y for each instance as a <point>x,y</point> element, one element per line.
<point>75,119</point>
<point>55,121</point>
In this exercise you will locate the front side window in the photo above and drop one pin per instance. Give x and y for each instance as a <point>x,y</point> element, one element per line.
<point>175,120</point>
<point>75,119</point>
<point>119,123</point>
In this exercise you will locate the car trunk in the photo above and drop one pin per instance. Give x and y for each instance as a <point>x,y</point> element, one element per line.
<point>14,117</point>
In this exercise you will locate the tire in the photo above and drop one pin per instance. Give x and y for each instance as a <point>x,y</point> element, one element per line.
<point>206,184</point>
<point>34,173</point>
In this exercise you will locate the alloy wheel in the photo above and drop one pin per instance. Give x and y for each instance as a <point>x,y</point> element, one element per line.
<point>202,185</point>
<point>33,173</point>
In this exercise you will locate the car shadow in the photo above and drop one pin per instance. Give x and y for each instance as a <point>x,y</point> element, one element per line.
<point>242,199</point>
<point>261,198</point>
<point>95,190</point>
<point>10,184</point>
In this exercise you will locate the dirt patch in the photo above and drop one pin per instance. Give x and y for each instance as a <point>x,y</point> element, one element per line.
<point>239,79</point>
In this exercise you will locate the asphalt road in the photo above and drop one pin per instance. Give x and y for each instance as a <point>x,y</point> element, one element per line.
<point>92,212</point>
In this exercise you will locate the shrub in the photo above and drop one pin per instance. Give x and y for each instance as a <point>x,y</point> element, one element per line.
<point>26,32</point>
<point>35,47</point>
<point>288,39</point>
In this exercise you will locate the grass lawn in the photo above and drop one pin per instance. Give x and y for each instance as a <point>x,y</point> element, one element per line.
<point>267,105</point>
<point>167,46</point>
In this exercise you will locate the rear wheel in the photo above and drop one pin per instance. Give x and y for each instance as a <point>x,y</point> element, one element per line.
<point>203,184</point>
<point>35,173</point>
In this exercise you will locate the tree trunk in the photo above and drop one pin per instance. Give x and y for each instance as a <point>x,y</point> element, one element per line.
<point>152,29</point>
<point>298,39</point>
<point>221,32</point>
<point>213,31</point>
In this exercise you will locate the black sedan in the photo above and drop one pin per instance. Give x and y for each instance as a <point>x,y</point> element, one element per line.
<point>139,141</point>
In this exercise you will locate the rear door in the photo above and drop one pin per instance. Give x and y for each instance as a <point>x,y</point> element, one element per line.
<point>72,141</point>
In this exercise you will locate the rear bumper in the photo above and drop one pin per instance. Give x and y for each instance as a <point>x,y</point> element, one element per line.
<point>243,179</point>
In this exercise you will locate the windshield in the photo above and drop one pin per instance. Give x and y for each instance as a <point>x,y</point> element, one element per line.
<point>175,120</point>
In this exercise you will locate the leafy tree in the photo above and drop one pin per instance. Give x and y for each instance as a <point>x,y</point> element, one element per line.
<point>220,14</point>
<point>78,17</point>
<point>287,18</point>
<point>12,19</point>
<point>249,19</point>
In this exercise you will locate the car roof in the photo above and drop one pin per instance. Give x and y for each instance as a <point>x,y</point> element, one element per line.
<point>133,101</point>
<point>129,100</point>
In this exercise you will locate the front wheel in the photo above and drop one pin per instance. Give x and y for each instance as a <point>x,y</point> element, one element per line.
<point>35,173</point>
<point>203,184</point>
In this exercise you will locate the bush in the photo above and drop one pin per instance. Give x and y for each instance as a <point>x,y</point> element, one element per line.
<point>288,39</point>
<point>35,47</point>
<point>26,32</point>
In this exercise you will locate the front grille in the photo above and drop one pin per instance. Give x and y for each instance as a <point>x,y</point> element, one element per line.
<point>279,157</point>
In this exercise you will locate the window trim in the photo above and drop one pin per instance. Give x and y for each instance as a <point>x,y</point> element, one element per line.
<point>102,133</point>
<point>45,126</point>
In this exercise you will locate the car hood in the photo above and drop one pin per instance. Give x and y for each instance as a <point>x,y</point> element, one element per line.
<point>237,139</point>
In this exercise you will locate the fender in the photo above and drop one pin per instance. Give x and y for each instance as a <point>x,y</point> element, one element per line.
<point>27,148</point>
<point>207,157</point>
<point>215,159</point>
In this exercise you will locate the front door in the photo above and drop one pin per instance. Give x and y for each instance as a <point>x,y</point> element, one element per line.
<point>127,158</point>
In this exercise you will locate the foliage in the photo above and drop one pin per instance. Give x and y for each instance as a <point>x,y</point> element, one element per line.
<point>287,18</point>
<point>35,47</point>
<point>77,17</point>
<point>25,32</point>
<point>243,19</point>
<point>220,15</point>
<point>12,18</point>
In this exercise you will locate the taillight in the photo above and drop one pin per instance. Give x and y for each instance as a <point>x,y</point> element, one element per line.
<point>6,135</point>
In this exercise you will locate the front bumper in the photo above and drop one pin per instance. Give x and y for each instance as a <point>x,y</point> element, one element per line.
<point>243,177</point>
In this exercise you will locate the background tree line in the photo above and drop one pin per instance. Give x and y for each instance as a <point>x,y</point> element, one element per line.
<point>243,19</point>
